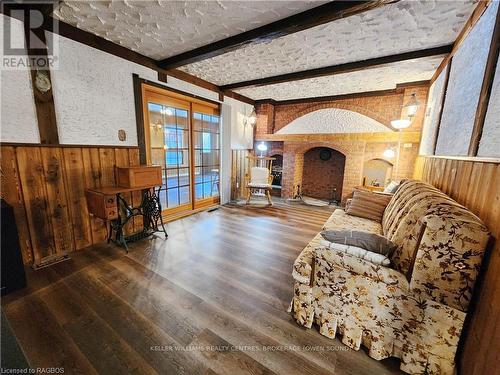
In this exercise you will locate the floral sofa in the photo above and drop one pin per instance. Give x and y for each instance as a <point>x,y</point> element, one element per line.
<point>413,310</point>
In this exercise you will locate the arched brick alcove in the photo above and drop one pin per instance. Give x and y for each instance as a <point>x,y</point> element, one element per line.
<point>293,164</point>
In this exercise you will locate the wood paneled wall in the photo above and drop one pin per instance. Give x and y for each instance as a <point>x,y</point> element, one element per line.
<point>239,168</point>
<point>475,183</point>
<point>46,186</point>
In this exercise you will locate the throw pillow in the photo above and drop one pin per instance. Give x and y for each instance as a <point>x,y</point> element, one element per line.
<point>392,187</point>
<point>358,252</point>
<point>373,242</point>
<point>368,205</point>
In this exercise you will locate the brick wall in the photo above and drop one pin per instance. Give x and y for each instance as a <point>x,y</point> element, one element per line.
<point>321,177</point>
<point>383,108</point>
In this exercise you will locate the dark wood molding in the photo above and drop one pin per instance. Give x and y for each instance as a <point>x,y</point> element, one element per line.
<point>441,110</point>
<point>78,35</point>
<point>139,118</point>
<point>341,68</point>
<point>469,25</point>
<point>484,96</point>
<point>320,15</point>
<point>405,85</point>
<point>44,101</point>
<point>20,144</point>
<point>329,98</point>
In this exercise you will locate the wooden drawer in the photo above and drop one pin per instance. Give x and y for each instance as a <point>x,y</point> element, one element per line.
<point>100,205</point>
<point>111,213</point>
<point>142,175</point>
<point>110,201</point>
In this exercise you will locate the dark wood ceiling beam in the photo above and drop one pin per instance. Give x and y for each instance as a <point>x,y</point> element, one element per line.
<point>97,42</point>
<point>356,95</point>
<point>310,18</point>
<point>341,68</point>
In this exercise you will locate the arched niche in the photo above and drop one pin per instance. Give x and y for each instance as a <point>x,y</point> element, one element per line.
<point>323,173</point>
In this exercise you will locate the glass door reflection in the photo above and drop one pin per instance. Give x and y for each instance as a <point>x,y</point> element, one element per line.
<point>206,139</point>
<point>169,139</point>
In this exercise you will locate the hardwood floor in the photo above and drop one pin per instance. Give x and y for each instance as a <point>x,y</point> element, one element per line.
<point>211,299</point>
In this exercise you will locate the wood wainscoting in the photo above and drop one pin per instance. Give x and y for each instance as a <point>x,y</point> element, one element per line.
<point>46,186</point>
<point>475,183</point>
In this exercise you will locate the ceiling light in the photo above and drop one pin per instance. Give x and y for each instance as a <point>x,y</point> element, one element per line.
<point>400,124</point>
<point>389,153</point>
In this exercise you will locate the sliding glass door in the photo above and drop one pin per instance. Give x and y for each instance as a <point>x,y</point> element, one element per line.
<point>183,137</point>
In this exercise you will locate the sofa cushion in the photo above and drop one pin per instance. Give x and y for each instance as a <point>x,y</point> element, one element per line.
<point>358,252</point>
<point>341,220</point>
<point>368,205</point>
<point>369,241</point>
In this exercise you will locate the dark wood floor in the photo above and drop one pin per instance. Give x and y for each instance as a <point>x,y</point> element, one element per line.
<point>209,300</point>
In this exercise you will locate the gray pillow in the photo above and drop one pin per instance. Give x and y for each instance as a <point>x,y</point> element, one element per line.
<point>366,240</point>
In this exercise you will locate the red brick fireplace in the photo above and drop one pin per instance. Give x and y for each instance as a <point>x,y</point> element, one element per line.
<point>323,173</point>
<point>302,165</point>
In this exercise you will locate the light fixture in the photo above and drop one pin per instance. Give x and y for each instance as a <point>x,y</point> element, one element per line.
<point>389,153</point>
<point>262,147</point>
<point>400,124</point>
<point>412,106</point>
<point>252,119</point>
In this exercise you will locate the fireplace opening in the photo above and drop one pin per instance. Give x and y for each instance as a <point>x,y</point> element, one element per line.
<point>277,172</point>
<point>323,173</point>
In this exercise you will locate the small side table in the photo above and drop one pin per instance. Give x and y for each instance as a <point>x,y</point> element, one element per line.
<point>110,205</point>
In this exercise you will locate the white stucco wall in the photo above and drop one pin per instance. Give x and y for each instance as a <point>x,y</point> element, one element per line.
<point>431,120</point>
<point>489,146</point>
<point>94,97</point>
<point>333,120</point>
<point>18,121</point>
<point>241,135</point>
<point>464,86</point>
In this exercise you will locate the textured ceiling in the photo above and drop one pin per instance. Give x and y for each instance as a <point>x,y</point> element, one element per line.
<point>366,80</point>
<point>401,27</point>
<point>159,28</point>
<point>333,120</point>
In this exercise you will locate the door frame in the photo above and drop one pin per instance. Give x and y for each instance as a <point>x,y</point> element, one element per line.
<point>144,91</point>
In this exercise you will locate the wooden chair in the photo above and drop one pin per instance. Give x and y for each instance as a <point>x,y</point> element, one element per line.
<point>259,177</point>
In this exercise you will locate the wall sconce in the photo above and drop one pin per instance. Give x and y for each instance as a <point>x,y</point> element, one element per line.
<point>262,147</point>
<point>411,110</point>
<point>400,124</point>
<point>389,153</point>
<point>252,119</point>
<point>412,106</point>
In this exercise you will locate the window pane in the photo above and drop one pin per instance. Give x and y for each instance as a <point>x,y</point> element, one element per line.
<point>172,179</point>
<point>198,191</point>
<point>163,197</point>
<point>207,122</point>
<point>197,175</point>
<point>183,176</point>
<point>182,138</point>
<point>210,158</point>
<point>184,195</point>
<point>198,141</point>
<point>182,118</point>
<point>174,158</point>
<point>173,197</point>
<point>197,121</point>
<point>214,124</point>
<point>170,134</point>
<point>197,158</point>
<point>209,174</point>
